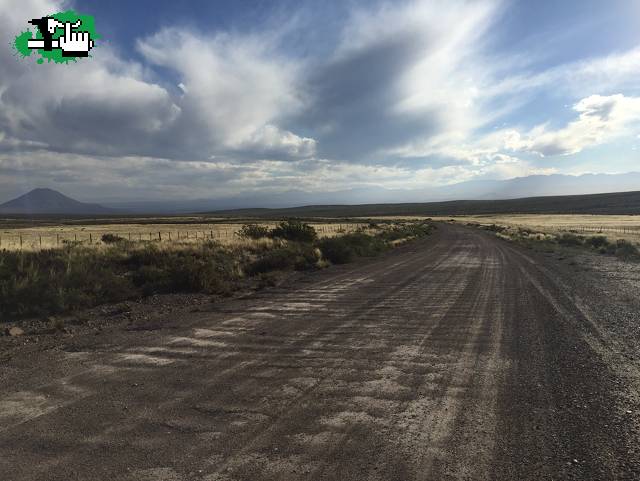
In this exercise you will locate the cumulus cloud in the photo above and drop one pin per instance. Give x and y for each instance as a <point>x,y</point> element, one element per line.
<point>102,106</point>
<point>236,89</point>
<point>600,119</point>
<point>232,92</point>
<point>98,107</point>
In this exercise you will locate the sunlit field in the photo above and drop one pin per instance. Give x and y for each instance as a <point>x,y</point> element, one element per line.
<point>614,227</point>
<point>172,233</point>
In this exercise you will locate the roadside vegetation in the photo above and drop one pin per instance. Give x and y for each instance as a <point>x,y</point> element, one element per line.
<point>550,242</point>
<point>74,277</point>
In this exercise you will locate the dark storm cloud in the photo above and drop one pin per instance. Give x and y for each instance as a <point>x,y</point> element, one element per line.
<point>354,98</point>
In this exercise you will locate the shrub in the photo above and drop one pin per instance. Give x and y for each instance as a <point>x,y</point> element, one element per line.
<point>420,229</point>
<point>59,280</point>
<point>253,231</point>
<point>51,281</point>
<point>111,238</point>
<point>75,277</point>
<point>294,256</point>
<point>336,250</point>
<point>343,249</point>
<point>295,230</point>
<point>626,250</point>
<point>495,228</point>
<point>569,240</point>
<point>598,241</point>
<point>209,269</point>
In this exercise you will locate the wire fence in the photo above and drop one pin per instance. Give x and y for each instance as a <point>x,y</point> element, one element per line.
<point>603,229</point>
<point>27,239</point>
<point>613,232</point>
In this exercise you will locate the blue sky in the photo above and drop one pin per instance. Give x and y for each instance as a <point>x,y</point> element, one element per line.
<point>212,98</point>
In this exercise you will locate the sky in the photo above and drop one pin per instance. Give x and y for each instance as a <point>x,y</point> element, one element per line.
<point>207,99</point>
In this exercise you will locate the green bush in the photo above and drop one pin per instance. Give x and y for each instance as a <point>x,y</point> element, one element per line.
<point>295,230</point>
<point>337,251</point>
<point>111,238</point>
<point>626,250</point>
<point>253,231</point>
<point>51,281</point>
<point>569,240</point>
<point>412,230</point>
<point>343,249</point>
<point>59,280</point>
<point>294,256</point>
<point>598,241</point>
<point>495,228</point>
<point>76,277</point>
<point>208,269</point>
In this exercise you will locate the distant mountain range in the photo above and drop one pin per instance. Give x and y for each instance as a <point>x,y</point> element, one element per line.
<point>610,203</point>
<point>531,186</point>
<point>48,201</point>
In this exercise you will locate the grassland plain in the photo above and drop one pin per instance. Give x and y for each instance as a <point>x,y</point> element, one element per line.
<point>88,232</point>
<point>614,227</point>
<point>568,242</point>
<point>77,276</point>
<point>617,235</point>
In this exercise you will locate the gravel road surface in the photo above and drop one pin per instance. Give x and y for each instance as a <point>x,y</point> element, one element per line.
<point>456,357</point>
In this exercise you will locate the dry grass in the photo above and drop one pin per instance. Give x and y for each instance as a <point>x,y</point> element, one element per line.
<point>47,237</point>
<point>614,227</point>
<point>45,281</point>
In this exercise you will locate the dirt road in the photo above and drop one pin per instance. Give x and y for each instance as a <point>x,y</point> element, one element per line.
<point>456,357</point>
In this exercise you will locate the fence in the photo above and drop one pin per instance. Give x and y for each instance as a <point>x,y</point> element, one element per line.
<point>28,239</point>
<point>613,229</point>
<point>613,232</point>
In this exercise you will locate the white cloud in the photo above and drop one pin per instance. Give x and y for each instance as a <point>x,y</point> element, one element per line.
<point>270,141</point>
<point>600,120</point>
<point>102,105</point>
<point>232,92</point>
<point>579,78</point>
<point>235,88</point>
